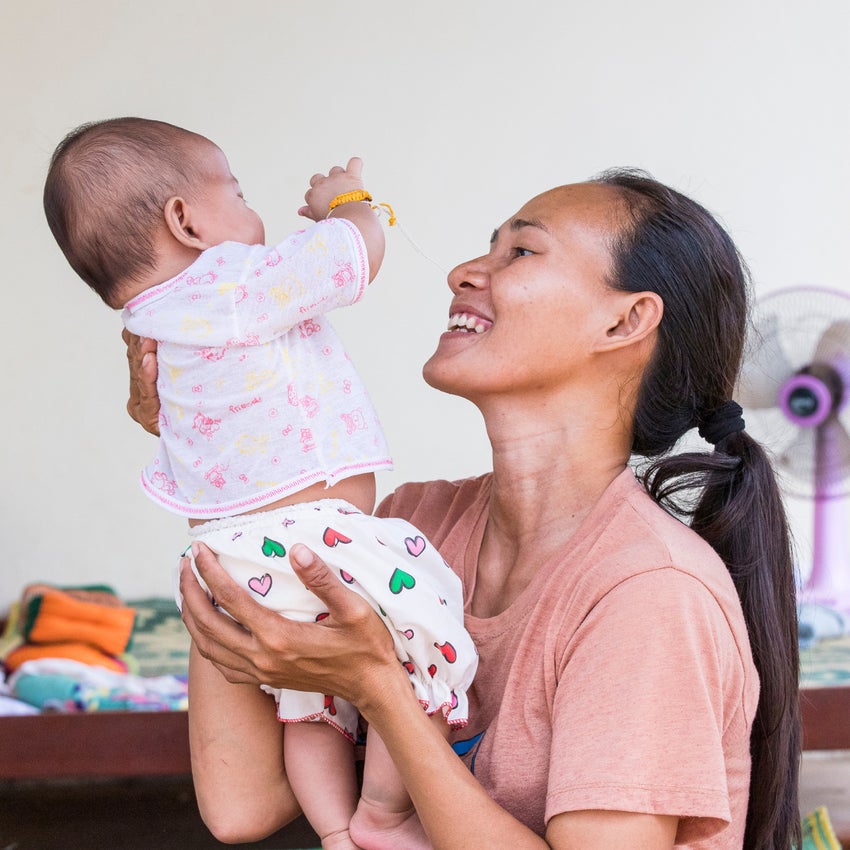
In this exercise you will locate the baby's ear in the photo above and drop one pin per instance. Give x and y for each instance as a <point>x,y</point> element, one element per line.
<point>178,219</point>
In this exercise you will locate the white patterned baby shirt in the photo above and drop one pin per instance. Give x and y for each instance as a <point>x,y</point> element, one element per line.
<point>259,399</point>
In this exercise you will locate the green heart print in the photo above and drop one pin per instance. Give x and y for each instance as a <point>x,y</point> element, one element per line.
<point>273,549</point>
<point>401,580</point>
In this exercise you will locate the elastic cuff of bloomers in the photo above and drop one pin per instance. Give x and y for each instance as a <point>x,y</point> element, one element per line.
<point>438,697</point>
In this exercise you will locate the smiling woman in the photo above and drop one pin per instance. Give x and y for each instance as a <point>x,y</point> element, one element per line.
<point>637,677</point>
<point>540,307</point>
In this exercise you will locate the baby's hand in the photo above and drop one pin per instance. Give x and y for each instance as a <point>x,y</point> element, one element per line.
<point>324,188</point>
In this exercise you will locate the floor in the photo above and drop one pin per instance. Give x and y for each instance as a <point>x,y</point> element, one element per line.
<point>161,814</point>
<point>154,814</point>
<point>825,781</point>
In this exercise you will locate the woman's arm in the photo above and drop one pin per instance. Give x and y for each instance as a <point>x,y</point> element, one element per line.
<point>350,653</point>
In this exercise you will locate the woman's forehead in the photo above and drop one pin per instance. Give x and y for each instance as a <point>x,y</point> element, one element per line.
<point>585,207</point>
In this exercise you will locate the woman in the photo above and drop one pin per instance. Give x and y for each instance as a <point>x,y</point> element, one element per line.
<point>617,701</point>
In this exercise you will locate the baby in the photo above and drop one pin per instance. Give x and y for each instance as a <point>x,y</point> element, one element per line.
<point>267,438</point>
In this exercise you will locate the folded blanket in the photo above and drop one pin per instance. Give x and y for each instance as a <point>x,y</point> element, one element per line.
<point>59,684</point>
<point>73,650</point>
<point>57,617</point>
<point>90,624</point>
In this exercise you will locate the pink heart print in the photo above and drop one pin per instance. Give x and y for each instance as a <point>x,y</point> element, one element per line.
<point>261,585</point>
<point>415,545</point>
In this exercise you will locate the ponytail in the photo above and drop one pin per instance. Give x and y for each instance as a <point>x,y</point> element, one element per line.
<point>672,246</point>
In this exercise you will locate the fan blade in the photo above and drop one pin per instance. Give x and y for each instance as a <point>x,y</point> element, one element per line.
<point>832,458</point>
<point>765,367</point>
<point>795,462</point>
<point>834,344</point>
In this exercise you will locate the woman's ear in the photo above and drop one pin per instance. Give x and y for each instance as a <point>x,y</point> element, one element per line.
<point>639,315</point>
<point>178,216</point>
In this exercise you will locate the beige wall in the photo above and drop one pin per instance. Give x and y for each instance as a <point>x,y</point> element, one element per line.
<point>461,111</point>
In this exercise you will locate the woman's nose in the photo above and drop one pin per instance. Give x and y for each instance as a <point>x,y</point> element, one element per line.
<point>471,274</point>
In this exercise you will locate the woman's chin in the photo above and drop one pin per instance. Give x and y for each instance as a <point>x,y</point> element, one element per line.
<point>439,375</point>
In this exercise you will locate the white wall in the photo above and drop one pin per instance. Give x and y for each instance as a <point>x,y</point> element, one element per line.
<point>461,110</point>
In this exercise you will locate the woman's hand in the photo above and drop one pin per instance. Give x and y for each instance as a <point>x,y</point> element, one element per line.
<point>342,654</point>
<point>143,404</point>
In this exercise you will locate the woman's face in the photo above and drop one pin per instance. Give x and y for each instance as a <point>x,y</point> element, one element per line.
<point>524,316</point>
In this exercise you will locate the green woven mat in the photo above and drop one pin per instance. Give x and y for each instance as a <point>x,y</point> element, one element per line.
<point>826,663</point>
<point>160,644</point>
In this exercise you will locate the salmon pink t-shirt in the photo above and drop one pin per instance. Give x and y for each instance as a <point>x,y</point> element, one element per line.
<point>621,678</point>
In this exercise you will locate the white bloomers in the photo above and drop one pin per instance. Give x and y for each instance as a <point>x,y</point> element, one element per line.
<point>389,563</point>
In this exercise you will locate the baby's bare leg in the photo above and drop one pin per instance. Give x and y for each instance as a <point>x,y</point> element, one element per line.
<point>236,742</point>
<point>385,818</point>
<point>320,768</point>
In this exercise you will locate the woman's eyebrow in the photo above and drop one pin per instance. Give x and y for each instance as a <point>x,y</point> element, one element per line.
<point>518,224</point>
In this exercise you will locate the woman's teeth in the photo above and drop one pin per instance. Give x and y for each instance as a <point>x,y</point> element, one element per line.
<point>463,322</point>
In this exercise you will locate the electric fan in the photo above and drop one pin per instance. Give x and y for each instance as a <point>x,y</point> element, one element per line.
<point>795,391</point>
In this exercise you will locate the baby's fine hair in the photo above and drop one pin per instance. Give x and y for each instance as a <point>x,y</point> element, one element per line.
<point>105,193</point>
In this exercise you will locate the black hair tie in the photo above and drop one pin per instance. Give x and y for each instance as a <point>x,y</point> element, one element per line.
<point>722,422</point>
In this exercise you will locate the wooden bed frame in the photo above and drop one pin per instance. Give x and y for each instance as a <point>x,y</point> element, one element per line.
<point>40,755</point>
<point>134,744</point>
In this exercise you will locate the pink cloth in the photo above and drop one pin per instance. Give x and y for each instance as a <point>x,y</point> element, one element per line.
<point>621,678</point>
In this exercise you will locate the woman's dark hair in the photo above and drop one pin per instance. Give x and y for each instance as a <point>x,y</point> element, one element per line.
<point>674,247</point>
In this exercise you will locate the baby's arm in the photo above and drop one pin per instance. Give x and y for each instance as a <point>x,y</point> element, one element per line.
<point>338,181</point>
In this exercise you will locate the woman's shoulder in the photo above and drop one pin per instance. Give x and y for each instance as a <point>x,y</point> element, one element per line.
<point>643,537</point>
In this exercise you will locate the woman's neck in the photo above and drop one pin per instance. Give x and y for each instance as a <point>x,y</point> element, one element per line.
<point>548,473</point>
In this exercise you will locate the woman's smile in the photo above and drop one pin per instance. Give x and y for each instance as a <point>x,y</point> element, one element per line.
<point>468,322</point>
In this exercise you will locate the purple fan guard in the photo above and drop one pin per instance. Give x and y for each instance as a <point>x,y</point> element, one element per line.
<point>829,581</point>
<point>808,402</point>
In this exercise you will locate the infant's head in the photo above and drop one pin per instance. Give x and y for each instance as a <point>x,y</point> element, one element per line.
<point>122,195</point>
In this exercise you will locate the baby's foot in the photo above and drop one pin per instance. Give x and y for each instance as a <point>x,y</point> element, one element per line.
<point>339,840</point>
<point>376,828</point>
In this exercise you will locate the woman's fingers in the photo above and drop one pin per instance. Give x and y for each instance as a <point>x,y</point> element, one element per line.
<point>143,403</point>
<point>316,576</point>
<point>332,656</point>
<point>217,637</point>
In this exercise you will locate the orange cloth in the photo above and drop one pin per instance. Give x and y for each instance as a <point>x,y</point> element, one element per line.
<point>81,652</point>
<point>62,619</point>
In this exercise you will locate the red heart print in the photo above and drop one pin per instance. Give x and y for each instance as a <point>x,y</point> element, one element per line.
<point>323,616</point>
<point>432,670</point>
<point>448,651</point>
<point>346,577</point>
<point>261,585</point>
<point>332,537</point>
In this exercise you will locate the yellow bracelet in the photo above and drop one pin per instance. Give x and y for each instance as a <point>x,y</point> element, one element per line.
<point>348,197</point>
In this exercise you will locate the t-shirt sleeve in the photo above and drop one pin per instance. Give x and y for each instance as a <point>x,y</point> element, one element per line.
<point>639,714</point>
<point>311,273</point>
